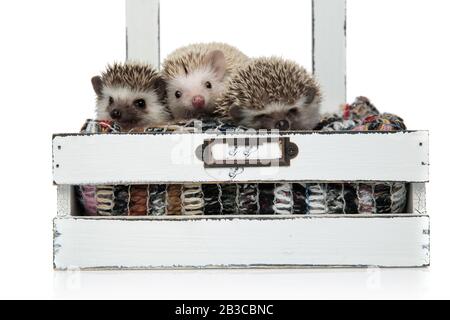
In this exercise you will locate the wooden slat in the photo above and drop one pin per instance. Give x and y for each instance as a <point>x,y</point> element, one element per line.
<point>148,158</point>
<point>391,241</point>
<point>143,34</point>
<point>329,51</point>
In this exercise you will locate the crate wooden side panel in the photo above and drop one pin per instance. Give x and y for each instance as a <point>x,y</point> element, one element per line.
<point>417,199</point>
<point>391,241</point>
<point>66,201</point>
<point>153,158</point>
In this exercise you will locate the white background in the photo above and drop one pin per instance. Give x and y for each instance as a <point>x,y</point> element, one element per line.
<point>398,55</point>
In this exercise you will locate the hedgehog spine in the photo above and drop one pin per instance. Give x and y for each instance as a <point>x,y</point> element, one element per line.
<point>272,93</point>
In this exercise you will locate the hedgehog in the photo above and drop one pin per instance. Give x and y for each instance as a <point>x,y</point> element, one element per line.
<point>131,94</point>
<point>272,93</point>
<point>196,75</point>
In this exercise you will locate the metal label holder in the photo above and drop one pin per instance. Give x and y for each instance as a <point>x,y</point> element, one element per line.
<point>288,151</point>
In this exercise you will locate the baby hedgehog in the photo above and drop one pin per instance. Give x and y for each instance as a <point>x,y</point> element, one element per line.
<point>132,95</point>
<point>272,93</point>
<point>196,75</point>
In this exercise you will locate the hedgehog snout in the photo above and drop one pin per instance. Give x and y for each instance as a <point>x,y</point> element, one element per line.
<point>282,125</point>
<point>199,102</point>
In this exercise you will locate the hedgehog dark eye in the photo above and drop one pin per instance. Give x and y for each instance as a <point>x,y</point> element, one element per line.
<point>178,94</point>
<point>293,111</point>
<point>140,104</point>
<point>111,100</point>
<point>262,117</point>
<point>208,85</point>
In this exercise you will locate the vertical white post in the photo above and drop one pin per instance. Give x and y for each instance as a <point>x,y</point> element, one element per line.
<point>329,51</point>
<point>417,203</point>
<point>65,200</point>
<point>143,41</point>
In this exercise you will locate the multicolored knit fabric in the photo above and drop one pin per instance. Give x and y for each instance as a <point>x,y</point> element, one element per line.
<point>266,198</point>
<point>88,199</point>
<point>283,203</point>
<point>173,200</point>
<point>361,115</point>
<point>247,198</point>
<point>300,199</point>
<point>212,194</point>
<point>139,197</point>
<point>121,201</point>
<point>229,199</point>
<point>157,200</point>
<point>192,200</point>
<point>383,122</point>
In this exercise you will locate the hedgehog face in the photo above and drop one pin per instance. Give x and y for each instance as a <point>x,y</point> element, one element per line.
<point>302,115</point>
<point>193,94</point>
<point>132,95</point>
<point>131,109</point>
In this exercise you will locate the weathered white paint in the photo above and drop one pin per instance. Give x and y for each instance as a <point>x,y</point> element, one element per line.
<point>148,158</point>
<point>66,201</point>
<point>329,51</point>
<point>394,241</point>
<point>143,42</point>
<point>417,200</point>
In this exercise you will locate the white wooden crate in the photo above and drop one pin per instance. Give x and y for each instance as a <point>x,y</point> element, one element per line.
<point>401,240</point>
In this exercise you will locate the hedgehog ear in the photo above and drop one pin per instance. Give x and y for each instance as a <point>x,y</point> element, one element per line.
<point>97,84</point>
<point>160,87</point>
<point>311,94</point>
<point>236,113</point>
<point>217,60</point>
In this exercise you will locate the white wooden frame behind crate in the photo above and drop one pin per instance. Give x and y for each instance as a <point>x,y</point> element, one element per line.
<point>329,42</point>
<point>401,240</point>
